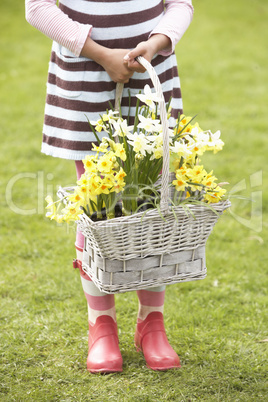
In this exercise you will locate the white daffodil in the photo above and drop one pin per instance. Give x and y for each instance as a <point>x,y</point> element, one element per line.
<point>149,125</point>
<point>215,141</point>
<point>157,154</point>
<point>140,143</point>
<point>121,128</point>
<point>149,97</point>
<point>110,116</point>
<point>181,149</point>
<point>154,138</point>
<point>194,132</point>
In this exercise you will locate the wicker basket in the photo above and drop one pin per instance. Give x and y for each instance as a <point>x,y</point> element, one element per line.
<point>131,253</point>
<point>144,250</point>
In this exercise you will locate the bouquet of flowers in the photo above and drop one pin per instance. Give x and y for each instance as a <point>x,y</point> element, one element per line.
<point>122,176</point>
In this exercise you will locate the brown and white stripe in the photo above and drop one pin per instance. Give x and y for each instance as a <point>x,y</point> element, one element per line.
<point>79,88</point>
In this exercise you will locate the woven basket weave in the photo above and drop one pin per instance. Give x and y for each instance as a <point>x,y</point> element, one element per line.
<point>144,250</point>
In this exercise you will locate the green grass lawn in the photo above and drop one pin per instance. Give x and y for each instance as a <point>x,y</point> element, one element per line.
<point>218,326</point>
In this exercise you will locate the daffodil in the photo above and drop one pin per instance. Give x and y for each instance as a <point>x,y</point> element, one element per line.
<point>83,180</point>
<point>215,142</point>
<point>72,212</point>
<point>179,184</point>
<point>51,207</point>
<point>209,180</point>
<point>149,125</point>
<point>90,164</point>
<point>157,153</point>
<point>93,185</point>
<point>99,125</point>
<point>104,164</point>
<point>121,128</point>
<point>110,116</point>
<point>140,143</point>
<point>103,188</point>
<point>215,195</point>
<point>118,187</point>
<point>120,151</point>
<point>196,174</point>
<point>120,175</point>
<point>109,179</point>
<point>149,97</point>
<point>131,164</point>
<point>181,149</point>
<point>155,139</point>
<point>77,197</point>
<point>98,149</point>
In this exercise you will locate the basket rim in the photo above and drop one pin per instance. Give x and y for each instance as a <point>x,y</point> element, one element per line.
<point>152,213</point>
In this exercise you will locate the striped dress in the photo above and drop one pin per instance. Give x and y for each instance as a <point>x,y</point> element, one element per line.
<point>79,89</point>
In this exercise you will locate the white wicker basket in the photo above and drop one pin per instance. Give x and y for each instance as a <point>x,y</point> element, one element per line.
<point>144,250</point>
<point>131,253</point>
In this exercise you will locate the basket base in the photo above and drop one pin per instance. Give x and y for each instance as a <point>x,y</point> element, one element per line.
<point>116,276</point>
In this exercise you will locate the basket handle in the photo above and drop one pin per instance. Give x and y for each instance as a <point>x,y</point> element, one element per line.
<point>164,120</point>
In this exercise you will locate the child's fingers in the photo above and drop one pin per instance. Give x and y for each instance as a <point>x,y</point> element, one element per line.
<point>132,54</point>
<point>133,64</point>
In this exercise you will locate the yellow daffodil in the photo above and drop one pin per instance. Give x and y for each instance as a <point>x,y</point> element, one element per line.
<point>119,177</point>
<point>179,184</point>
<point>76,197</point>
<point>215,195</point>
<point>94,183</point>
<point>109,179</point>
<point>99,149</point>
<point>120,151</point>
<point>103,188</point>
<point>104,164</point>
<point>90,163</point>
<point>99,125</point>
<point>51,207</point>
<point>71,212</point>
<point>209,180</point>
<point>196,174</point>
<point>119,186</point>
<point>84,179</point>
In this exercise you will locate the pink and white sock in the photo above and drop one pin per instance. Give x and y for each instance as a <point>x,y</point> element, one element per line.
<point>150,300</point>
<point>99,303</point>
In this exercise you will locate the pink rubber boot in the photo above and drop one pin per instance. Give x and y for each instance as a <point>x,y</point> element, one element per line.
<point>104,355</point>
<point>151,339</point>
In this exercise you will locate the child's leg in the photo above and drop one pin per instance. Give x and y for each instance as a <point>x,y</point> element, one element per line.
<point>104,354</point>
<point>150,300</point>
<point>150,335</point>
<point>99,303</point>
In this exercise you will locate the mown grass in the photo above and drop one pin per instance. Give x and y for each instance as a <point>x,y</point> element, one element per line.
<point>216,325</point>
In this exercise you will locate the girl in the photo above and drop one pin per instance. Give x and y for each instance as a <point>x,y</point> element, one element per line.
<point>95,43</point>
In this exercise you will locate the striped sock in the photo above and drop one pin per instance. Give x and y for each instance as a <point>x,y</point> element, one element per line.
<point>150,300</point>
<point>99,303</point>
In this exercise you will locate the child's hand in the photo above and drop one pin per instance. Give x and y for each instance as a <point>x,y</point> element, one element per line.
<point>113,63</point>
<point>112,60</point>
<point>146,49</point>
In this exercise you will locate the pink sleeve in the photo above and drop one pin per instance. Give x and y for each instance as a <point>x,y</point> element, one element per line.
<point>176,20</point>
<point>49,19</point>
